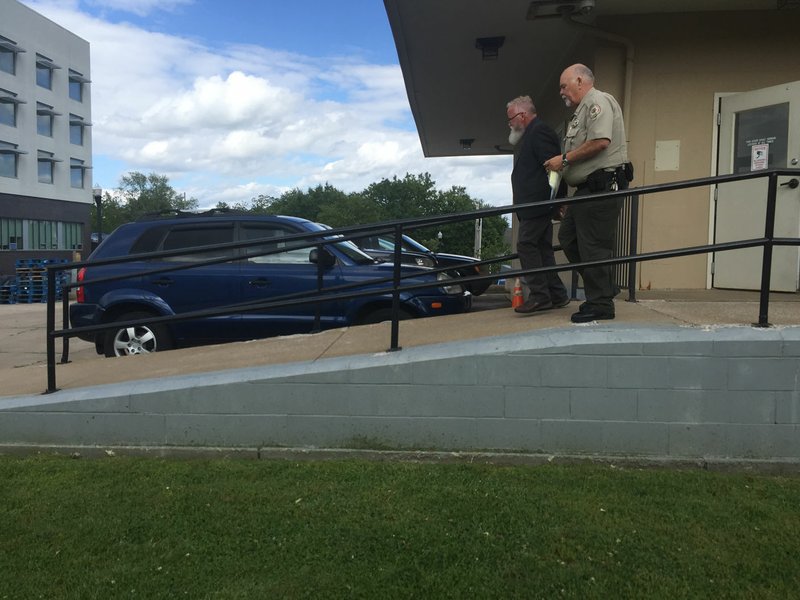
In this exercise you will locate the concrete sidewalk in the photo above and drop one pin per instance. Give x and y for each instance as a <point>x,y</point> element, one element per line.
<point>23,354</point>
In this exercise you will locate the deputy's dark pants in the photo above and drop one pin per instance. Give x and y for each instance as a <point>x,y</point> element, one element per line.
<point>587,233</point>
<point>535,249</point>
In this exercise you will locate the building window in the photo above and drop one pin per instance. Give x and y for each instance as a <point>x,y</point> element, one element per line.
<point>73,236</point>
<point>9,159</point>
<point>43,235</point>
<point>10,234</point>
<point>45,171</point>
<point>77,171</point>
<point>44,71</point>
<point>8,113</point>
<point>76,82</point>
<point>8,55</point>
<point>44,119</point>
<point>76,125</point>
<point>46,164</point>
<point>8,108</point>
<point>7,61</point>
<point>44,124</point>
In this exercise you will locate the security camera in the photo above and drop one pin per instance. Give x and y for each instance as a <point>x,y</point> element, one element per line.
<point>585,7</point>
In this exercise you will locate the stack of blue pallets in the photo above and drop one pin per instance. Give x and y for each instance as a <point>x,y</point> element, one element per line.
<point>30,283</point>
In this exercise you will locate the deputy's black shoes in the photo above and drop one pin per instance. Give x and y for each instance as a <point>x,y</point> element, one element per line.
<point>588,315</point>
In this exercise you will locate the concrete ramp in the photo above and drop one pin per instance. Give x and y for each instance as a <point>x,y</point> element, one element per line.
<point>618,389</point>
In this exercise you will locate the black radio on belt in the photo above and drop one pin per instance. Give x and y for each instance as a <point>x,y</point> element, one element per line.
<point>627,170</point>
<point>603,181</point>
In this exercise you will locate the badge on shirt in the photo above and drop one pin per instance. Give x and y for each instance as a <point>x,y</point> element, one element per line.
<point>594,111</point>
<point>574,122</point>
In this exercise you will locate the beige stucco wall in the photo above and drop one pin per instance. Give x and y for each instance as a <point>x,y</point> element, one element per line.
<point>680,62</point>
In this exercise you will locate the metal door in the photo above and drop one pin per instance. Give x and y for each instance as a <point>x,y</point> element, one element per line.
<point>758,130</point>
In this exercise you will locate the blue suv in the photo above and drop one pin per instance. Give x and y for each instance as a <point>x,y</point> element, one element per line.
<point>248,276</point>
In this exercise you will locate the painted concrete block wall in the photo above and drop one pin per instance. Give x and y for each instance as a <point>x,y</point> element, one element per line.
<point>606,390</point>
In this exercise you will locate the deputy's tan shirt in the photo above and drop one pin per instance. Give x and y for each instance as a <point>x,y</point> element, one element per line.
<point>598,116</point>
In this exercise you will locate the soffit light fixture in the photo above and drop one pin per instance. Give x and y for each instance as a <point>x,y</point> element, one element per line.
<point>548,9</point>
<point>490,46</point>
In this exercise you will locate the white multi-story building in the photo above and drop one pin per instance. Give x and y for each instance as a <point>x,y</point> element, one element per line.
<point>45,138</point>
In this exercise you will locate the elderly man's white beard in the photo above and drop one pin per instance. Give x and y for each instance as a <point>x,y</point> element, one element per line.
<point>515,135</point>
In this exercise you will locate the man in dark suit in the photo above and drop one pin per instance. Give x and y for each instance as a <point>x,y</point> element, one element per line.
<point>534,142</point>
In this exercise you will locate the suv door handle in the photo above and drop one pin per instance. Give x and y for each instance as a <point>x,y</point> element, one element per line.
<point>260,282</point>
<point>163,282</point>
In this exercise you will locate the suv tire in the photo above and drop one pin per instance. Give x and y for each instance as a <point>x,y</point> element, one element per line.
<point>141,339</point>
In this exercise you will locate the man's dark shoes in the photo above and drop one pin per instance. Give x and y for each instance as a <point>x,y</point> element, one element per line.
<point>589,314</point>
<point>531,307</point>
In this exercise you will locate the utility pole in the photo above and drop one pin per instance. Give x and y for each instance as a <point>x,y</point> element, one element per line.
<point>478,237</point>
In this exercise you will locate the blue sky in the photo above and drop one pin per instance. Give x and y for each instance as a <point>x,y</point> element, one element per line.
<point>235,98</point>
<point>314,28</point>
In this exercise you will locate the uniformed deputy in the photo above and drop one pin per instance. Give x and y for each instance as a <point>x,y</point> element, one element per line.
<point>593,162</point>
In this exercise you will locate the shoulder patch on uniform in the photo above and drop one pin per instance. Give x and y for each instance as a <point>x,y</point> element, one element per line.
<point>595,111</point>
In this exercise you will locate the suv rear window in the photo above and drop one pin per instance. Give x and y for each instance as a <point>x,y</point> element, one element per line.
<point>195,236</point>
<point>149,241</point>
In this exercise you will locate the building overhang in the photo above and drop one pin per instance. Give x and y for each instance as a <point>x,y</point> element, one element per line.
<point>463,60</point>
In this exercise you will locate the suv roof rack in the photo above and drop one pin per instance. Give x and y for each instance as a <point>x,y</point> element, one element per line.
<point>181,214</point>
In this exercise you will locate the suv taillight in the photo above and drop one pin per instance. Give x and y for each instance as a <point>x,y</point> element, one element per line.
<point>79,291</point>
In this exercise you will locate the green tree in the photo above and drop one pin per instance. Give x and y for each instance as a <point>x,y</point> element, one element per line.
<point>493,238</point>
<point>457,238</point>
<point>113,213</point>
<point>390,200</point>
<point>412,196</point>
<point>350,209</point>
<point>146,194</point>
<point>417,196</point>
<point>307,205</point>
<point>261,204</point>
<point>139,194</point>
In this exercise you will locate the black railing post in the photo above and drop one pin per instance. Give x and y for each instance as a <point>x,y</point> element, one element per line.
<point>51,326</point>
<point>398,259</point>
<point>320,279</point>
<point>64,323</point>
<point>766,262</point>
<point>633,243</point>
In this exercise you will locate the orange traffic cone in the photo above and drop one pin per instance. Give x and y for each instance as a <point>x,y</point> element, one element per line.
<point>517,299</point>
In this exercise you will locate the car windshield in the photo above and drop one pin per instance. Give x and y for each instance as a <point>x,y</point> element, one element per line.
<point>379,242</point>
<point>413,245</point>
<point>346,247</point>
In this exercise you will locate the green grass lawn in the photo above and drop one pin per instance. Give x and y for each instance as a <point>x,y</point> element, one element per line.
<point>149,528</point>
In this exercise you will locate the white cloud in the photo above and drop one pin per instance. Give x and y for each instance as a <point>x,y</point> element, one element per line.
<point>139,7</point>
<point>233,122</point>
<point>215,103</point>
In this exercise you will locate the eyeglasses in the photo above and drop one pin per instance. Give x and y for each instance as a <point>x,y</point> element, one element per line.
<point>515,116</point>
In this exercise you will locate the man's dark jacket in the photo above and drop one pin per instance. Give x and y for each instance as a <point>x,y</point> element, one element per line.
<point>529,178</point>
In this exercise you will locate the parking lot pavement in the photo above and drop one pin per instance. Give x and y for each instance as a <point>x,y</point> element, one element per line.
<point>23,340</point>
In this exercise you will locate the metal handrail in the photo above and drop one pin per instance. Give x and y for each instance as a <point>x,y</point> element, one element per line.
<point>398,227</point>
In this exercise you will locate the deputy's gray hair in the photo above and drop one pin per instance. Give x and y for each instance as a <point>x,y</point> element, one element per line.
<point>584,72</point>
<point>523,103</point>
